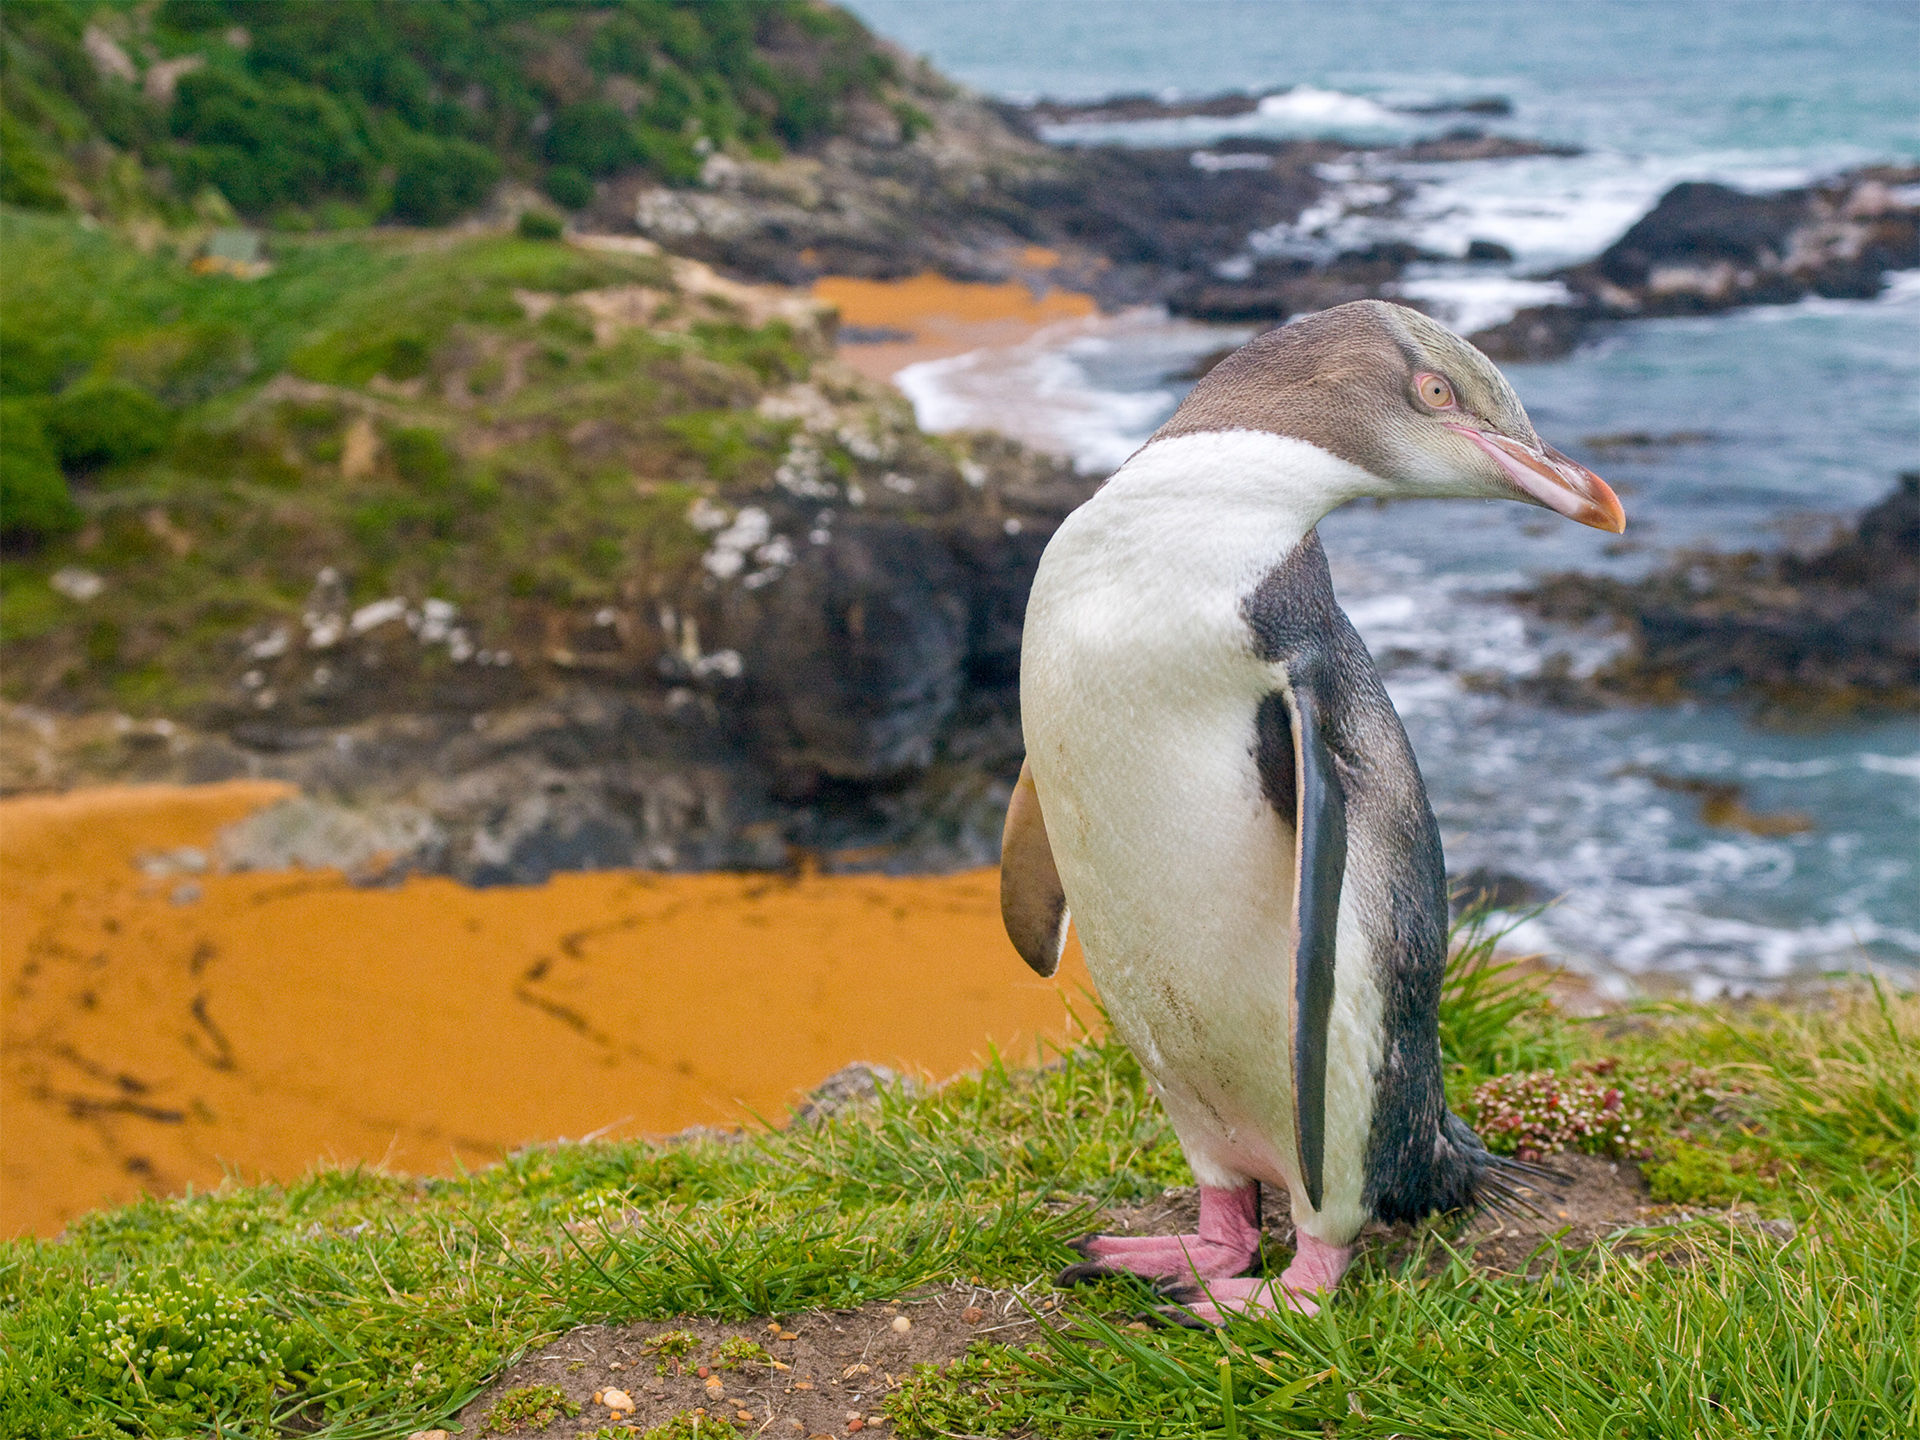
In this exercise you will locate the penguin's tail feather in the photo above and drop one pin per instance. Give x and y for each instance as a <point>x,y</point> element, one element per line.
<point>1500,1182</point>
<point>1545,1172</point>
<point>1496,1194</point>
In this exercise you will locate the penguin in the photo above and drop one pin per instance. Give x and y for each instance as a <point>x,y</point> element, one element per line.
<point>1221,799</point>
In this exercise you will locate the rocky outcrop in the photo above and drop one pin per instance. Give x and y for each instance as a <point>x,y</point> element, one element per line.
<point>1707,247</point>
<point>835,683</point>
<point>1836,631</point>
<point>968,193</point>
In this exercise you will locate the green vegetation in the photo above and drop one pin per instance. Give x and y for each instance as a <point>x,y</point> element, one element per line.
<point>364,1304</point>
<point>684,1426</point>
<point>426,417</point>
<point>671,1348</point>
<point>342,113</point>
<point>740,1353</point>
<point>531,1407</point>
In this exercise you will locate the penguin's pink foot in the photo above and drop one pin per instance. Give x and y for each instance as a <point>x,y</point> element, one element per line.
<point>1227,1241</point>
<point>1316,1269</point>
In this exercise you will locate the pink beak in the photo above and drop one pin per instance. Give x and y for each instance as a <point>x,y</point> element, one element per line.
<point>1552,479</point>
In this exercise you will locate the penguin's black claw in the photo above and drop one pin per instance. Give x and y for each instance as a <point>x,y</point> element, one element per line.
<point>1082,1244</point>
<point>1179,1292</point>
<point>1085,1273</point>
<point>1163,1316</point>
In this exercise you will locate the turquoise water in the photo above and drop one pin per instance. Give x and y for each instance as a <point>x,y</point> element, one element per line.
<point>1832,80</point>
<point>1806,412</point>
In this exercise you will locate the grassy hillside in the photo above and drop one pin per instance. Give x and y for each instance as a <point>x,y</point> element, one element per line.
<point>341,113</point>
<point>514,427</point>
<point>364,1304</point>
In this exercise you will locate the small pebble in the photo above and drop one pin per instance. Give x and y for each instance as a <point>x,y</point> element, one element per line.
<point>429,1435</point>
<point>703,1372</point>
<point>616,1399</point>
<point>853,1414</point>
<point>902,1324</point>
<point>973,1314</point>
<point>746,1415</point>
<point>856,1424</point>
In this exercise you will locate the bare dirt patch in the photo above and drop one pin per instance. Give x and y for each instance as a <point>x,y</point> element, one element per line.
<point>825,1368</point>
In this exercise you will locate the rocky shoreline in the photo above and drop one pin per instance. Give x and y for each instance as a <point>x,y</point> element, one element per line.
<point>1832,633</point>
<point>1141,225</point>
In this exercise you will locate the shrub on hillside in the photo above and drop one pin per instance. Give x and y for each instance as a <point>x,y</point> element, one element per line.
<point>567,186</point>
<point>26,176</point>
<point>266,145</point>
<point>593,137</point>
<point>105,423</point>
<point>435,180</point>
<point>34,502</point>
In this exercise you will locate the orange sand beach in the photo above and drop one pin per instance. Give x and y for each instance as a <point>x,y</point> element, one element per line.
<point>164,1029</point>
<point>941,317</point>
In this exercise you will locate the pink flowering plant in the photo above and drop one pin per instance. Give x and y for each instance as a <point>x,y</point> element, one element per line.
<point>1598,1109</point>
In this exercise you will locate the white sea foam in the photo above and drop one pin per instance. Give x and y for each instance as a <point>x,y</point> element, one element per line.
<point>1469,303</point>
<point>1304,111</point>
<point>1308,107</point>
<point>1547,209</point>
<point>1041,391</point>
<point>1908,765</point>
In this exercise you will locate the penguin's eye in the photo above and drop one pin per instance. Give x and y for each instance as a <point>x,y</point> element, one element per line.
<point>1434,391</point>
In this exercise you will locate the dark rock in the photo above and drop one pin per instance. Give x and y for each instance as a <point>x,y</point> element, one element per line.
<point>1124,108</point>
<point>1470,144</point>
<point>1540,332</point>
<point>1697,222</point>
<point>1480,105</point>
<point>1277,289</point>
<point>849,1087</point>
<point>1706,247</point>
<point>1491,251</point>
<point>870,335</point>
<point>1836,632</point>
<point>1157,208</point>
<point>1493,889</point>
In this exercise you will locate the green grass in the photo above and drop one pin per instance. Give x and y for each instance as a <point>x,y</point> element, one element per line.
<point>381,1303</point>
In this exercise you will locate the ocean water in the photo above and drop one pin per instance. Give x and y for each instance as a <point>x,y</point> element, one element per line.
<point>1798,416</point>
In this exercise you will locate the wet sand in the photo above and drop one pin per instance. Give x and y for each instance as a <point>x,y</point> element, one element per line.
<point>937,317</point>
<point>161,1029</point>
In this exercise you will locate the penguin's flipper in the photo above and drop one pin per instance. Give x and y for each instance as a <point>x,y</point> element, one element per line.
<point>1033,906</point>
<point>1299,777</point>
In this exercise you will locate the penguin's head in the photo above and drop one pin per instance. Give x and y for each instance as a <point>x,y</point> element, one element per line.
<point>1405,399</point>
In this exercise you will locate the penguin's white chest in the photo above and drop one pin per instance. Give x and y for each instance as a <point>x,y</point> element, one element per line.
<point>1139,691</point>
